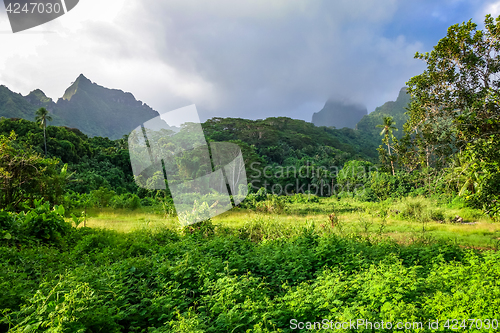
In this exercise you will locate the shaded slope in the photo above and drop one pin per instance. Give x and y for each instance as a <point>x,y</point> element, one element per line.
<point>99,111</point>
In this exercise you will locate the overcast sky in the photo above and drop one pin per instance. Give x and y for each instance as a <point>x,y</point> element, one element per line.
<point>249,59</point>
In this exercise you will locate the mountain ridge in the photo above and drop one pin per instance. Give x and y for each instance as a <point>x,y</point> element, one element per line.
<point>94,109</point>
<point>99,111</point>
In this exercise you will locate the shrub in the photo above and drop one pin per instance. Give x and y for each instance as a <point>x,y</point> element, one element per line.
<point>263,227</point>
<point>147,202</point>
<point>436,215</point>
<point>273,204</point>
<point>413,210</point>
<point>7,225</point>
<point>382,185</point>
<point>45,224</point>
<point>302,198</point>
<point>40,223</point>
<point>102,196</point>
<point>134,202</point>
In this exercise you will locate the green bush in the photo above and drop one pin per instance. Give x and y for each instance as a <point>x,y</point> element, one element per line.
<point>457,202</point>
<point>148,202</point>
<point>382,185</point>
<point>133,202</point>
<point>8,228</point>
<point>34,224</point>
<point>273,204</point>
<point>45,224</point>
<point>102,197</point>
<point>302,198</point>
<point>413,210</point>
<point>436,215</point>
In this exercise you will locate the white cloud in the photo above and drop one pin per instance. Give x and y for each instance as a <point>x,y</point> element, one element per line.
<point>492,8</point>
<point>248,59</point>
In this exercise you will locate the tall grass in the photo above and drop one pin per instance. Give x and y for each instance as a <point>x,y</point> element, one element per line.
<point>403,220</point>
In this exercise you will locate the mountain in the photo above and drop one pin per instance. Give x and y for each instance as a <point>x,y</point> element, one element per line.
<point>99,111</point>
<point>95,110</point>
<point>14,105</point>
<point>38,99</point>
<point>339,114</point>
<point>394,109</point>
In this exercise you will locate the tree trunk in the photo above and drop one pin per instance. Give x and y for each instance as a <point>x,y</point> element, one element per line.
<point>389,150</point>
<point>45,140</point>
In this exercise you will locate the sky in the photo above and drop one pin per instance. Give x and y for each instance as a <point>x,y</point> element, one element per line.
<point>247,58</point>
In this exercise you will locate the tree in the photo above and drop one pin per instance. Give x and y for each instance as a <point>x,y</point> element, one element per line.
<point>42,116</point>
<point>387,128</point>
<point>25,175</point>
<point>455,109</point>
<point>456,100</point>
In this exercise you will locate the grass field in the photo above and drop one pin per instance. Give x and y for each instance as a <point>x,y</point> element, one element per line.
<point>252,270</point>
<point>406,220</point>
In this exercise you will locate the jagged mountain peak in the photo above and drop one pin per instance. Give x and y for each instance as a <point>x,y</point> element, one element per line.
<point>101,111</point>
<point>80,82</point>
<point>93,109</point>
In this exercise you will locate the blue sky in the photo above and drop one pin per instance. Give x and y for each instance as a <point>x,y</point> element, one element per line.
<point>248,58</point>
<point>427,21</point>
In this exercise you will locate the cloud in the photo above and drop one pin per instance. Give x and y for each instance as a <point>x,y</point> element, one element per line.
<point>252,59</point>
<point>492,8</point>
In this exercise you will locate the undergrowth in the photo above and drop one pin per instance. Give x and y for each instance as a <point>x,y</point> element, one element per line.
<point>254,278</point>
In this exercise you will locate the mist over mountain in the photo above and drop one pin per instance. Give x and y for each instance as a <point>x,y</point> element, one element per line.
<point>339,114</point>
<point>93,109</point>
<point>395,109</point>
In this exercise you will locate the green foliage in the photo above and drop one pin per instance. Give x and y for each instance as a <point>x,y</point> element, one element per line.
<point>102,197</point>
<point>44,223</point>
<point>200,212</point>
<point>453,124</point>
<point>281,137</point>
<point>25,175</point>
<point>130,201</point>
<point>40,223</point>
<point>413,210</point>
<point>256,278</point>
<point>355,175</point>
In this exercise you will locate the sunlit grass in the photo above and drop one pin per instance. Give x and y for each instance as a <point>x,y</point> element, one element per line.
<point>124,220</point>
<point>355,217</point>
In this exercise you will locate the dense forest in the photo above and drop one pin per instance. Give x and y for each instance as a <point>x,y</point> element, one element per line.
<point>100,163</point>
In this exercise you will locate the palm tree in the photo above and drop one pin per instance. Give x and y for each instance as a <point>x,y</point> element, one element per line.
<point>387,128</point>
<point>42,116</point>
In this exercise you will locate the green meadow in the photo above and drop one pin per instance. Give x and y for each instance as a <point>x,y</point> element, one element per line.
<point>404,220</point>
